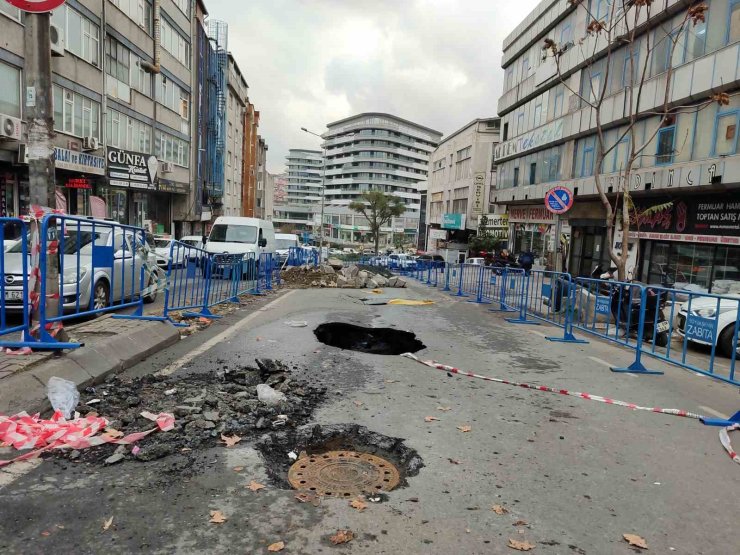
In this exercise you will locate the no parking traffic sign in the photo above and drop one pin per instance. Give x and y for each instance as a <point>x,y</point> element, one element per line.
<point>558,200</point>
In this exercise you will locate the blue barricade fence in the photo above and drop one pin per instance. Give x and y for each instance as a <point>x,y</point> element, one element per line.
<point>14,294</point>
<point>299,256</point>
<point>188,280</point>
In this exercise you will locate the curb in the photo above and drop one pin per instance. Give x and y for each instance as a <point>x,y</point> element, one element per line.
<point>85,366</point>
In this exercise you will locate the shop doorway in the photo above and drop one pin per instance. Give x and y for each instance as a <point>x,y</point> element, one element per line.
<point>588,250</point>
<point>140,209</point>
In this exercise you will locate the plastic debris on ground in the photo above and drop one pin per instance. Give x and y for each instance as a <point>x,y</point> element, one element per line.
<point>269,396</point>
<point>63,395</point>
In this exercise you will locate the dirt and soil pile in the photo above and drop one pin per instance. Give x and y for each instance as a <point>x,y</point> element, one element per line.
<point>353,276</point>
<point>206,406</point>
<point>304,277</point>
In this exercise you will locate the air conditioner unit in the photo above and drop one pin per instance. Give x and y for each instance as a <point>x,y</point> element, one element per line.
<point>90,143</point>
<point>56,38</point>
<point>23,153</point>
<point>166,167</point>
<point>10,127</point>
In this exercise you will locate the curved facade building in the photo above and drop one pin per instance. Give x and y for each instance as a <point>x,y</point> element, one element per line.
<point>375,152</point>
<point>302,197</point>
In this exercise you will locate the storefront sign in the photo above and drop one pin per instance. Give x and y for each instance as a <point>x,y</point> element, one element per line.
<point>132,169</point>
<point>702,218</point>
<point>437,234</point>
<point>558,200</point>
<point>79,183</point>
<point>167,186</point>
<point>701,329</point>
<point>530,214</point>
<point>495,225</point>
<point>541,136</point>
<point>82,162</point>
<point>453,221</point>
<point>479,183</point>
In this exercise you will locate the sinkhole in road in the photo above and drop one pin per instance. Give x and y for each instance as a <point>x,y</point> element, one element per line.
<point>376,341</point>
<point>338,461</point>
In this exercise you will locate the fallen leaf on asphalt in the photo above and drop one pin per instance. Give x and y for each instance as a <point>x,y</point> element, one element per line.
<point>342,536</point>
<point>107,523</point>
<point>358,403</point>
<point>230,441</point>
<point>635,540</point>
<point>358,504</point>
<point>444,409</point>
<point>454,461</point>
<point>255,486</point>
<point>238,468</point>
<point>217,517</point>
<point>520,546</point>
<point>499,510</point>
<point>430,418</point>
<point>521,523</point>
<point>464,429</point>
<point>275,547</point>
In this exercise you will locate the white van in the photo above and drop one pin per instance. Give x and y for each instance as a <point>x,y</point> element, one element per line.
<point>237,235</point>
<point>283,242</point>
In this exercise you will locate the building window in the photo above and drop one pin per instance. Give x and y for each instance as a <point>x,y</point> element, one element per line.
<point>172,149</point>
<point>538,112</point>
<point>516,177</point>
<point>666,139</point>
<point>533,173</point>
<point>140,11</point>
<point>174,43</point>
<point>733,22</point>
<point>630,68</point>
<point>725,139</point>
<point>128,133</point>
<point>117,60</point>
<point>82,36</point>
<point>10,100</point>
<point>506,131</point>
<point>169,94</point>
<point>460,206</point>
<point>557,110</point>
<point>10,11</point>
<point>141,80</point>
<point>509,78</point>
<point>622,152</point>
<point>525,67</point>
<point>184,6</point>
<point>520,123</point>
<point>566,35</point>
<point>75,114</point>
<point>587,161</point>
<point>602,10</point>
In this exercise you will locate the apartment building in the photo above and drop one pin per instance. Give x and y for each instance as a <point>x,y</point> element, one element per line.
<point>691,162</point>
<point>375,152</point>
<point>300,202</point>
<point>262,192</point>
<point>461,184</point>
<point>236,107</point>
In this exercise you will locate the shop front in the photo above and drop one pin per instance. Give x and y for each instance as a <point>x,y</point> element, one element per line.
<point>533,229</point>
<point>77,174</point>
<point>691,242</point>
<point>14,199</point>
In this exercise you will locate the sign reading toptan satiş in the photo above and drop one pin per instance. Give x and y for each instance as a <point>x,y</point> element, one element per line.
<point>131,169</point>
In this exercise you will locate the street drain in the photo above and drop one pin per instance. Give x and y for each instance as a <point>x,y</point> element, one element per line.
<point>337,460</point>
<point>377,341</point>
<point>343,474</point>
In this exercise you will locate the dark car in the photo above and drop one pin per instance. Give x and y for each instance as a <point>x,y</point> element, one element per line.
<point>438,259</point>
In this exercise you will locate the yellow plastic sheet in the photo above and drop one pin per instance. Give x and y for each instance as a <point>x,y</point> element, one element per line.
<point>410,302</point>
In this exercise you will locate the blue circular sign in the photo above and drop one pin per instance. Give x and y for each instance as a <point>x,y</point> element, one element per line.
<point>558,200</point>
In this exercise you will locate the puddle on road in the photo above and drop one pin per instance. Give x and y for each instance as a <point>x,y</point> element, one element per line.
<point>376,341</point>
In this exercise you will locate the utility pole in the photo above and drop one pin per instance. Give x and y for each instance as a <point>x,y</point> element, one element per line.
<point>40,119</point>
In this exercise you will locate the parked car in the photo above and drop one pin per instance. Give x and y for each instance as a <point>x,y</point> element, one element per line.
<point>401,261</point>
<point>724,311</point>
<point>194,255</point>
<point>248,237</point>
<point>163,248</point>
<point>283,243</point>
<point>476,261</point>
<point>86,282</point>
<point>424,258</point>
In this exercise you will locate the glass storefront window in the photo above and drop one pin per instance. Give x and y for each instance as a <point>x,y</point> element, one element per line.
<point>116,203</point>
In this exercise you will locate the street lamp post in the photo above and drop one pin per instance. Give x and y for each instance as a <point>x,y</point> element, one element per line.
<point>323,187</point>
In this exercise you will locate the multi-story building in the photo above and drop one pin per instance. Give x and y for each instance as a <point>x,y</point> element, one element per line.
<point>261,193</point>
<point>375,152</point>
<point>236,106</point>
<point>691,162</point>
<point>302,200</point>
<point>269,196</point>
<point>462,180</point>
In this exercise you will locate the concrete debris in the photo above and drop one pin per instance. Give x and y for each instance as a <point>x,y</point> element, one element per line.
<point>353,276</point>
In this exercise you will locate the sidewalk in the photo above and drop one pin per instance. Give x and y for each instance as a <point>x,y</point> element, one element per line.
<point>110,345</point>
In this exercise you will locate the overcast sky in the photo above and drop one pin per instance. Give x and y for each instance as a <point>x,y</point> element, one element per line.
<point>311,62</point>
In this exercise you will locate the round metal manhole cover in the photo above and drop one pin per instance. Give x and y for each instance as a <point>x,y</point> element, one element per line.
<point>343,474</point>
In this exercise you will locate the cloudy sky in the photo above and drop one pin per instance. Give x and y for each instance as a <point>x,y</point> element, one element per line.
<point>311,62</point>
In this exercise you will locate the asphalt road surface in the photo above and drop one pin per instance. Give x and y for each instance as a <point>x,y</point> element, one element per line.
<point>574,475</point>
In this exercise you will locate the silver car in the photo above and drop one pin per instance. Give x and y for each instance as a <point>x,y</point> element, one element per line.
<point>101,266</point>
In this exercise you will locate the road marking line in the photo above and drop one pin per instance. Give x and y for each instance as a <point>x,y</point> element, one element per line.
<point>536,333</point>
<point>610,365</point>
<point>215,340</point>
<point>716,413</point>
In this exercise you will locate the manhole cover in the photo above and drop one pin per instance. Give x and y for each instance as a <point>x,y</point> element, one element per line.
<point>343,474</point>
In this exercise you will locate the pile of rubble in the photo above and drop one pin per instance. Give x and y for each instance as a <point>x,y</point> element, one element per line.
<point>353,277</point>
<point>301,277</point>
<point>205,405</point>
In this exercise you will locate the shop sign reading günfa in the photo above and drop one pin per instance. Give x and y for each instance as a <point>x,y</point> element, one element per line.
<point>132,169</point>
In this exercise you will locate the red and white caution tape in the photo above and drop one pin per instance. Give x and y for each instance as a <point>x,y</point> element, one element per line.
<point>724,436</point>
<point>23,431</point>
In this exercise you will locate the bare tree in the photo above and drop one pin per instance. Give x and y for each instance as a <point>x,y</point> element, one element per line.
<point>379,209</point>
<point>621,32</point>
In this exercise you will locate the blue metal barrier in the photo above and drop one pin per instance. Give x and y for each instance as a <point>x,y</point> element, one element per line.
<point>299,256</point>
<point>188,287</point>
<point>14,272</point>
<point>103,266</point>
<point>519,283</point>
<point>550,299</point>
